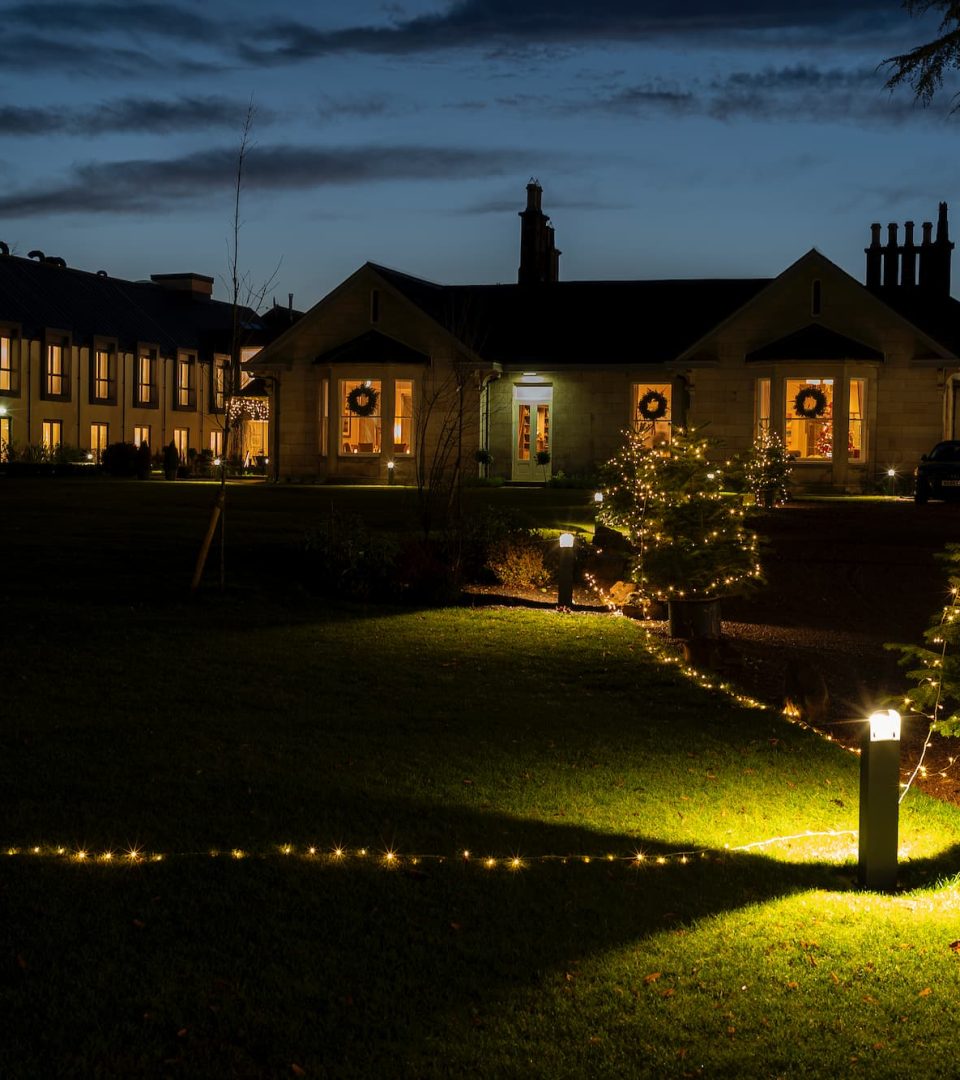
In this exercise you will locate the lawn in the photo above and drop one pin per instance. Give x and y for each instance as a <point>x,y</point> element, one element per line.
<point>269,724</point>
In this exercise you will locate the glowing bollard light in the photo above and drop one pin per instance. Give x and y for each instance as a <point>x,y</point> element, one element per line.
<point>391,465</point>
<point>879,801</point>
<point>565,572</point>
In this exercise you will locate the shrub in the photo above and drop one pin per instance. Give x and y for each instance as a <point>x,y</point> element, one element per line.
<point>344,559</point>
<point>120,459</point>
<point>518,561</point>
<point>143,461</point>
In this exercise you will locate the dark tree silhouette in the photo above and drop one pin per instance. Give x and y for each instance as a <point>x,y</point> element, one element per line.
<point>923,67</point>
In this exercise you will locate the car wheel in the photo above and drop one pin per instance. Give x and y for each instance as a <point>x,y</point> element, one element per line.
<point>921,494</point>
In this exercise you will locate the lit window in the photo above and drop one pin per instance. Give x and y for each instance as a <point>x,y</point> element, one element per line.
<point>856,447</point>
<point>141,434</point>
<point>186,395</point>
<point>360,431</point>
<point>181,440</point>
<point>6,437</point>
<point>533,430</point>
<point>51,434</point>
<point>9,373</point>
<point>103,376</point>
<point>146,379</point>
<point>55,376</point>
<point>403,416</point>
<point>98,440</point>
<point>763,407</point>
<point>216,443</point>
<point>652,412</point>
<point>809,419</point>
<point>219,386</point>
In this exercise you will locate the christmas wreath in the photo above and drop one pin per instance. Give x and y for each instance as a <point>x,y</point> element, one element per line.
<point>653,406</point>
<point>362,400</point>
<point>810,402</point>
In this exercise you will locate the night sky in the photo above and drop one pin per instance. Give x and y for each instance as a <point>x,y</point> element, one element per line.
<point>673,138</point>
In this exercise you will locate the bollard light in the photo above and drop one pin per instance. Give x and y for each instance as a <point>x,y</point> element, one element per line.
<point>390,467</point>
<point>565,572</point>
<point>598,497</point>
<point>880,801</point>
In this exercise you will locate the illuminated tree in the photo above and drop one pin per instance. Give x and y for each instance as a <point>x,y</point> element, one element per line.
<point>689,537</point>
<point>767,470</point>
<point>936,668</point>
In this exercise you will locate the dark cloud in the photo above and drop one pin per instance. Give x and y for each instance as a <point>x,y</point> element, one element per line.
<point>470,23</point>
<point>331,108</point>
<point>157,185</point>
<point>802,93</point>
<point>162,20</point>
<point>147,115</point>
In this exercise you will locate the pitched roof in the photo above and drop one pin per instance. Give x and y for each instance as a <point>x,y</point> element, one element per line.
<point>42,295</point>
<point>578,322</point>
<point>938,316</point>
<point>814,342</point>
<point>372,348</point>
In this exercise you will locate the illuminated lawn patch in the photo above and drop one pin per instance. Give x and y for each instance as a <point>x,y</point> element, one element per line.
<point>263,721</point>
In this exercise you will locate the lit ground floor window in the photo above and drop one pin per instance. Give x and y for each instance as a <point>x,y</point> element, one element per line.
<point>99,438</point>
<point>652,412</point>
<point>141,434</point>
<point>181,440</point>
<point>815,418</point>
<point>51,434</point>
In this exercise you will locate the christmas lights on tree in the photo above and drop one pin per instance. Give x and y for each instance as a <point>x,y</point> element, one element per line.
<point>689,538</point>
<point>767,470</point>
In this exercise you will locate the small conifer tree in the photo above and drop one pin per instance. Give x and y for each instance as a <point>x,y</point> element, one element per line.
<point>767,470</point>
<point>690,538</point>
<point>935,668</point>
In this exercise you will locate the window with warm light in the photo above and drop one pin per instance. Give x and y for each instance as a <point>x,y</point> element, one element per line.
<point>403,416</point>
<point>216,443</point>
<point>103,383</point>
<point>98,440</point>
<point>51,434</point>
<point>533,430</point>
<point>856,445</point>
<point>181,440</point>
<point>55,372</point>
<point>9,368</point>
<point>808,428</point>
<point>360,434</point>
<point>220,379</point>
<point>146,383</point>
<point>255,438</point>
<point>762,408</point>
<point>141,434</point>
<point>186,383</point>
<point>652,412</point>
<point>6,437</point>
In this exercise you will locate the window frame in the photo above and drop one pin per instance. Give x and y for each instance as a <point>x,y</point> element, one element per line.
<point>660,431</point>
<point>95,447</point>
<point>11,370</point>
<point>138,438</point>
<point>151,354</point>
<point>55,339</point>
<point>103,385</point>
<point>185,393</point>
<point>350,422</point>
<point>46,431</point>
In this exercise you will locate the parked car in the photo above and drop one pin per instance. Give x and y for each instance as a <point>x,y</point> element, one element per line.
<point>938,474</point>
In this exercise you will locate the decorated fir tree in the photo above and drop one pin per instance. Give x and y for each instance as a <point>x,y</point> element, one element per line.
<point>767,470</point>
<point>935,668</point>
<point>689,537</point>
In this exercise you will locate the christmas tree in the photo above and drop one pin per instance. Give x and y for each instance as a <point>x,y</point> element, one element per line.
<point>689,537</point>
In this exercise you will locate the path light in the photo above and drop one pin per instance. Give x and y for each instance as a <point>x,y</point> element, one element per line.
<point>565,572</point>
<point>879,801</point>
<point>598,497</point>
<point>892,477</point>
<point>391,465</point>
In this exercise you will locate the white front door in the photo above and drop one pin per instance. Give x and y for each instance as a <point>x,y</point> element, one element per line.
<point>532,421</point>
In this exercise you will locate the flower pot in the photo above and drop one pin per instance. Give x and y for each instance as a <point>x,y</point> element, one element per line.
<point>691,619</point>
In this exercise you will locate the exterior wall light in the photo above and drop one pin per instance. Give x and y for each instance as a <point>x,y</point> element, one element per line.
<point>565,572</point>
<point>879,801</point>
<point>3,410</point>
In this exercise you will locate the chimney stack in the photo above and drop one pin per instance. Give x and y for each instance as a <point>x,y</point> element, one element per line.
<point>539,258</point>
<point>924,267</point>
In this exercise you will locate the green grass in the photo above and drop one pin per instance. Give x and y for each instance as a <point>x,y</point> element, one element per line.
<point>135,716</point>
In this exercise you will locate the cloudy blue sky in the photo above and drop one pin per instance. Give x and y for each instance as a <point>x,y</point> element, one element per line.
<point>673,138</point>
